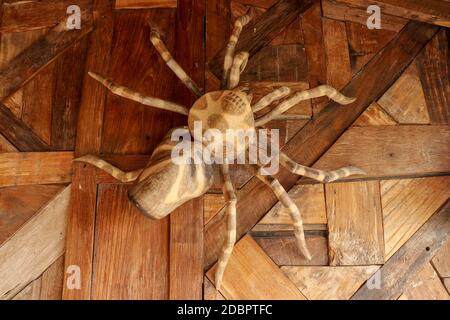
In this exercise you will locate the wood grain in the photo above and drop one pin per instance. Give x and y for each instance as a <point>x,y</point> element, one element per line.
<point>420,198</point>
<point>329,283</point>
<point>430,11</point>
<point>405,100</point>
<point>433,65</point>
<point>145,4</point>
<point>268,25</point>
<point>374,116</point>
<point>355,223</point>
<point>32,249</point>
<point>441,262</point>
<point>250,274</point>
<point>35,168</point>
<point>80,231</point>
<point>18,204</point>
<point>5,145</point>
<point>392,151</point>
<point>44,50</point>
<point>52,281</point>
<point>20,16</point>
<point>426,285</point>
<point>400,269</point>
<point>131,251</point>
<point>18,134</point>
<point>317,136</point>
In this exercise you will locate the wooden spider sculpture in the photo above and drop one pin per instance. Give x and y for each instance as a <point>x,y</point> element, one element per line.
<point>163,185</point>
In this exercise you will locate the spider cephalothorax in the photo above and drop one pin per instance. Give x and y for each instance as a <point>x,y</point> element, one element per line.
<point>166,182</point>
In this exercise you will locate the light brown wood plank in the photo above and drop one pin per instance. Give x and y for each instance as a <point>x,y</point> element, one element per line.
<point>131,250</point>
<point>405,100</point>
<point>310,200</point>
<point>31,292</point>
<point>401,268</point>
<point>5,145</point>
<point>52,281</point>
<point>392,151</point>
<point>212,203</point>
<point>426,286</point>
<point>325,283</point>
<point>441,262</point>
<point>145,4</point>
<point>407,205</point>
<point>35,168</point>
<point>251,274</point>
<point>374,116</point>
<point>32,249</point>
<point>355,223</point>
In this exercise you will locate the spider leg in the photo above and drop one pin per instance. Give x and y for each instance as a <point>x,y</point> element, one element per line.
<point>316,174</point>
<point>172,64</point>
<point>320,91</point>
<point>287,202</point>
<point>136,96</point>
<point>230,198</point>
<point>239,62</point>
<point>109,168</point>
<point>275,95</point>
<point>229,53</point>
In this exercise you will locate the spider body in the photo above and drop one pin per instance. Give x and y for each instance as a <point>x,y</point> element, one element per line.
<point>166,183</point>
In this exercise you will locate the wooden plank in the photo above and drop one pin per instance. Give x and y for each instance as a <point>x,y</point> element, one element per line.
<point>47,48</point>
<point>18,204</point>
<point>433,65</point>
<point>355,223</point>
<point>441,262</point>
<point>392,151</point>
<point>210,292</point>
<point>268,25</point>
<point>20,16</point>
<point>145,4</point>
<point>131,251</point>
<point>405,100</point>
<point>250,274</point>
<point>317,136</point>
<point>329,283</point>
<point>430,11</point>
<point>5,145</point>
<point>21,168</point>
<point>22,137</point>
<point>426,285</point>
<point>52,281</point>
<point>420,198</point>
<point>339,70</point>
<point>31,292</point>
<point>310,200</point>
<point>80,231</point>
<point>374,116</point>
<point>337,11</point>
<point>286,62</point>
<point>401,268</point>
<point>212,204</point>
<point>315,51</point>
<point>32,249</point>
<point>69,71</point>
<point>129,127</point>
<point>283,249</point>
<point>37,103</point>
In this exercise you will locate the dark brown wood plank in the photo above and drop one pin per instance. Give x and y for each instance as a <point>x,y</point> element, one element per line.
<point>268,25</point>
<point>186,223</point>
<point>30,61</point>
<point>145,4</point>
<point>80,231</point>
<point>21,136</point>
<point>318,135</point>
<point>69,71</point>
<point>401,269</point>
<point>433,64</point>
<point>20,16</point>
<point>429,11</point>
